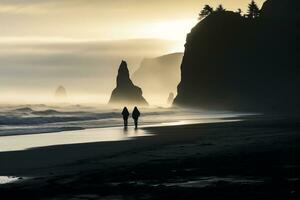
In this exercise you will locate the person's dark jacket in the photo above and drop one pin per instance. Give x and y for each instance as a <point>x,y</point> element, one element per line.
<point>125,113</point>
<point>136,113</point>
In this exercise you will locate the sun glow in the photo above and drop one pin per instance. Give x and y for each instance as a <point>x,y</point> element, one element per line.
<point>170,30</point>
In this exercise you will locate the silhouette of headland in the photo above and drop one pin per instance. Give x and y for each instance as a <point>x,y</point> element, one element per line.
<point>233,62</point>
<point>126,93</point>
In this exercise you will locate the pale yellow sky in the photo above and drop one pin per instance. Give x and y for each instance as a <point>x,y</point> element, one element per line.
<point>104,19</point>
<point>80,43</point>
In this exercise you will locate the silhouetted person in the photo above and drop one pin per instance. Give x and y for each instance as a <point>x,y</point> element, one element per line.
<point>125,114</point>
<point>135,115</point>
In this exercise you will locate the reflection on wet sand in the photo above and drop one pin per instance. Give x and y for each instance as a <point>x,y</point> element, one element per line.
<point>23,142</point>
<point>8,179</point>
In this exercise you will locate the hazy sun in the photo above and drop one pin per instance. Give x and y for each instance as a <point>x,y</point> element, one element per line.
<point>170,30</point>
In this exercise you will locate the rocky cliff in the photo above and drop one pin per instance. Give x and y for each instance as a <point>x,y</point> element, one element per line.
<point>126,93</point>
<point>159,76</point>
<point>234,63</point>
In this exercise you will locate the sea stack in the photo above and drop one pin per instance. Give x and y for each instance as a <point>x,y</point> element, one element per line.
<point>170,98</point>
<point>126,93</point>
<point>61,93</point>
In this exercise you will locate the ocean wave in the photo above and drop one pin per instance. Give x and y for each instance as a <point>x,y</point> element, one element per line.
<point>24,109</point>
<point>30,116</point>
<point>40,118</point>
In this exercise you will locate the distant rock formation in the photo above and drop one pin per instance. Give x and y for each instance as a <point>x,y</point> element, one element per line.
<point>61,93</point>
<point>126,93</point>
<point>159,76</point>
<point>170,98</point>
<point>235,63</point>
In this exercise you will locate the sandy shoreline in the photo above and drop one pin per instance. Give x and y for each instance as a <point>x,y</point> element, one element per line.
<point>243,152</point>
<point>81,145</point>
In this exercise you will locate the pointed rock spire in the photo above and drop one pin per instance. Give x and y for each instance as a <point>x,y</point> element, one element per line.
<point>123,74</point>
<point>126,92</point>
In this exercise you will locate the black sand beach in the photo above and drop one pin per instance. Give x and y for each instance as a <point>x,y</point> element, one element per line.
<point>257,158</point>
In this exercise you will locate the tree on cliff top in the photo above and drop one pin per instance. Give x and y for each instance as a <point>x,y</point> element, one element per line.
<point>239,11</point>
<point>220,8</point>
<point>253,10</point>
<point>207,10</point>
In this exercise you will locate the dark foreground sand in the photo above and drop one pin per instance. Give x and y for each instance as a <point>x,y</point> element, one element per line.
<point>253,159</point>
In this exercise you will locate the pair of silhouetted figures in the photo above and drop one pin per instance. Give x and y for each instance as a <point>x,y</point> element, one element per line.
<point>135,115</point>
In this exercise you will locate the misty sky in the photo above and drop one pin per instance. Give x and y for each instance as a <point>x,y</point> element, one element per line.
<point>79,43</point>
<point>103,19</point>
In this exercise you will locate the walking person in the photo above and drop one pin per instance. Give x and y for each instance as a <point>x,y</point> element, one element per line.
<point>125,114</point>
<point>135,115</point>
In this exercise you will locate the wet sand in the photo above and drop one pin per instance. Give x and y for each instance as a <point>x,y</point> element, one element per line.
<point>252,159</point>
<point>31,141</point>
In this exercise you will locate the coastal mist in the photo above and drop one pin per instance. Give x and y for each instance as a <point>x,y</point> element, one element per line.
<point>160,99</point>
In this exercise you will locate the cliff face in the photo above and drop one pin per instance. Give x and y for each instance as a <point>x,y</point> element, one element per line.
<point>234,63</point>
<point>126,93</point>
<point>281,10</point>
<point>159,76</point>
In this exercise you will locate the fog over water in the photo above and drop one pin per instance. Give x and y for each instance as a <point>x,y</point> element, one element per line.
<point>31,71</point>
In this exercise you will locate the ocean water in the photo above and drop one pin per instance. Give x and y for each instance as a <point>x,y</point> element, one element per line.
<point>31,119</point>
<point>30,126</point>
